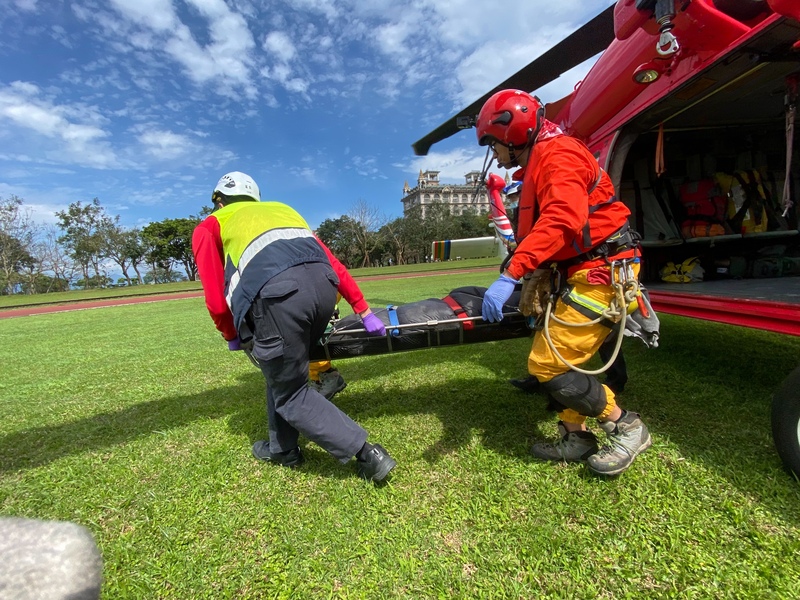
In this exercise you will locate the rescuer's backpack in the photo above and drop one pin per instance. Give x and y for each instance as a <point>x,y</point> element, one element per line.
<point>688,271</point>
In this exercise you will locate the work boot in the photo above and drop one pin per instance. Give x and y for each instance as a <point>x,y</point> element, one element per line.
<point>627,438</point>
<point>330,383</point>
<point>529,385</point>
<point>572,446</point>
<point>375,464</point>
<point>291,458</point>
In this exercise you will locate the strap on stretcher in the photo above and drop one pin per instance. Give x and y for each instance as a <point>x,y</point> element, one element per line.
<point>459,310</point>
<point>391,312</point>
<point>427,333</point>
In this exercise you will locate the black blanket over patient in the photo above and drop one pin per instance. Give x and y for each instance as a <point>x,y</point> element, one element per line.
<point>452,320</point>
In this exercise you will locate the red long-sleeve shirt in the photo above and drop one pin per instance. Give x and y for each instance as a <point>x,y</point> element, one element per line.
<point>210,259</point>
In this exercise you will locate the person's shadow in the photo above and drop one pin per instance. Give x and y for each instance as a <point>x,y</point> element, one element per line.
<point>41,445</point>
<point>712,401</point>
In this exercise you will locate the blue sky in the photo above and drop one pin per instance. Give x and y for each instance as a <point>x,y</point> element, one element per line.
<point>144,104</point>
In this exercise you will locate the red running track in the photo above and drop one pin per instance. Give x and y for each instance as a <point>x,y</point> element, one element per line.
<point>90,304</point>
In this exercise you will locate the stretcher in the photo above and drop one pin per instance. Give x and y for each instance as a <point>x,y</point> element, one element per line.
<point>453,320</point>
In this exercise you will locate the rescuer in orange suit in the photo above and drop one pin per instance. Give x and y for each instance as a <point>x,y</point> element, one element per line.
<point>570,229</point>
<point>322,375</point>
<point>617,372</point>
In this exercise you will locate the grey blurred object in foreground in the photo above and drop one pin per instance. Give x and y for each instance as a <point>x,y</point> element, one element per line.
<point>48,560</point>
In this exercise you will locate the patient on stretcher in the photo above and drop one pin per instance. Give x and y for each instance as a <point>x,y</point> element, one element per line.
<point>454,319</point>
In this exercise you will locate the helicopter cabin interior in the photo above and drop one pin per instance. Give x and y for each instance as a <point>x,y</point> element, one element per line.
<point>703,171</point>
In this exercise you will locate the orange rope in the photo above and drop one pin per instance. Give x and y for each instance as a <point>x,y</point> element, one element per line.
<point>661,167</point>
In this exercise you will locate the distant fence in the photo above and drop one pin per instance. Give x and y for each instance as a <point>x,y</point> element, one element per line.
<point>467,248</point>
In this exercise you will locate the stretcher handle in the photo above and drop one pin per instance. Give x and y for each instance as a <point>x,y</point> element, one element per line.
<point>432,323</point>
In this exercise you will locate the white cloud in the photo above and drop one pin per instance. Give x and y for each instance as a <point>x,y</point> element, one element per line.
<point>435,37</point>
<point>279,44</point>
<point>165,145</point>
<point>306,174</point>
<point>452,164</point>
<point>76,129</point>
<point>391,39</point>
<point>157,15</point>
<point>45,213</point>
<point>42,207</point>
<point>327,8</point>
<point>226,61</point>
<point>495,61</point>
<point>26,5</point>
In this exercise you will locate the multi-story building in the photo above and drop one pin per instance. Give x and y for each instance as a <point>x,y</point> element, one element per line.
<point>460,198</point>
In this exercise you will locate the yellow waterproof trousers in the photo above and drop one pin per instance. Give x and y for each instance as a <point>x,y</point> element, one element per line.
<point>576,344</point>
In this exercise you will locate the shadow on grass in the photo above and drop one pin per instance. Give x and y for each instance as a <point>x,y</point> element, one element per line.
<point>461,406</point>
<point>42,445</point>
<point>706,391</point>
<point>709,389</point>
<point>703,391</point>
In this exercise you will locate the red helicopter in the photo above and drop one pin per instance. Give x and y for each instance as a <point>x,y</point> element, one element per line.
<point>691,109</point>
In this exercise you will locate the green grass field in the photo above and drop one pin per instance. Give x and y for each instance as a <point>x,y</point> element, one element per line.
<point>137,422</point>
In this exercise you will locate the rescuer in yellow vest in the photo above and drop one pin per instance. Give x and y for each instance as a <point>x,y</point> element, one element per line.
<point>270,287</point>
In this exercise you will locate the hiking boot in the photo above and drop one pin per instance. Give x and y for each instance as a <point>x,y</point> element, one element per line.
<point>627,438</point>
<point>376,464</point>
<point>291,458</point>
<point>529,385</point>
<point>330,383</point>
<point>573,446</point>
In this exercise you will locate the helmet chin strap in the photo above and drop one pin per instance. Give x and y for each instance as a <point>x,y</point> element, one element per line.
<point>513,155</point>
<point>512,159</point>
<point>532,135</point>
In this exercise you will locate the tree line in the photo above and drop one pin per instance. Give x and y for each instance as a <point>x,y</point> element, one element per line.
<point>85,245</point>
<point>88,243</point>
<point>364,238</point>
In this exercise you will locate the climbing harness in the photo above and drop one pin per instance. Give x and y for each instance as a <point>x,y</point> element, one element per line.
<point>623,280</point>
<point>626,288</point>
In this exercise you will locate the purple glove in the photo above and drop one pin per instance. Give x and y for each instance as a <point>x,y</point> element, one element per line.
<point>373,325</point>
<point>234,344</point>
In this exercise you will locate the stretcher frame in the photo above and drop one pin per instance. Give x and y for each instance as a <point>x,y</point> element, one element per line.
<point>427,334</point>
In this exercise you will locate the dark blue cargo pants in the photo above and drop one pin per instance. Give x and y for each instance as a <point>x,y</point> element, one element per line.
<point>291,312</point>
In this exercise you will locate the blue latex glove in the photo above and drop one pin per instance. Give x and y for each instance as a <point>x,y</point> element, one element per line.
<point>235,344</point>
<point>497,295</point>
<point>373,325</point>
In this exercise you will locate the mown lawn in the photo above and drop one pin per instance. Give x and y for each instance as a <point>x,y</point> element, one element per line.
<point>137,423</point>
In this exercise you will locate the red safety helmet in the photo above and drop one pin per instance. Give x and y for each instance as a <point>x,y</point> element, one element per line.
<point>510,117</point>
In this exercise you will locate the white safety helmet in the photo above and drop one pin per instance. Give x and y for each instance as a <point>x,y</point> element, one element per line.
<point>512,191</point>
<point>236,183</point>
<point>515,187</point>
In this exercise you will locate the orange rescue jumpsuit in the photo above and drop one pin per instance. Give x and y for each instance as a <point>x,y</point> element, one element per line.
<point>561,181</point>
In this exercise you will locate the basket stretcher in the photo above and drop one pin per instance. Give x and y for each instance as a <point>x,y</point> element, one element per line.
<point>453,320</point>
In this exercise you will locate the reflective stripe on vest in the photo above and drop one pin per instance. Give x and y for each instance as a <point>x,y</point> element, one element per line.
<point>585,306</point>
<point>257,246</point>
<point>260,240</point>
